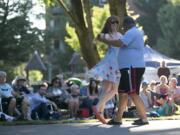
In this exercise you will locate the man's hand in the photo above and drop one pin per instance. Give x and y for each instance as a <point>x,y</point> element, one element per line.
<point>54,105</point>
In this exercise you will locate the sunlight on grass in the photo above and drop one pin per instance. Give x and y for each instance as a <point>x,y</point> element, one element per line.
<point>63,121</point>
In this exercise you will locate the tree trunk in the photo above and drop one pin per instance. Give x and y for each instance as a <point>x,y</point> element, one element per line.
<point>118,8</point>
<point>87,9</point>
<point>84,30</point>
<point>83,25</point>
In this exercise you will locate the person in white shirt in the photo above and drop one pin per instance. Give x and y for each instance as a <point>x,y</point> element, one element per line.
<point>146,96</point>
<point>175,91</point>
<point>6,94</point>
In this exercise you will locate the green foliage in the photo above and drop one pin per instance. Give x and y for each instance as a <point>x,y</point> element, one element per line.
<point>72,39</point>
<point>99,17</point>
<point>35,76</point>
<point>175,2</point>
<point>9,70</point>
<point>18,39</point>
<point>136,17</point>
<point>149,19</point>
<point>169,18</point>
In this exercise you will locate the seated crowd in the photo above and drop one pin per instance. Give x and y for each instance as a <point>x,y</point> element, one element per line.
<point>48,100</point>
<point>160,99</point>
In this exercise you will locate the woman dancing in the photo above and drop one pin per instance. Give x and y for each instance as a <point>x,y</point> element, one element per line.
<point>107,69</point>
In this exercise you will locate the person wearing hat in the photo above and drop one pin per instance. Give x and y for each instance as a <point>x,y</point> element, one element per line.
<point>22,93</point>
<point>20,86</point>
<point>132,67</point>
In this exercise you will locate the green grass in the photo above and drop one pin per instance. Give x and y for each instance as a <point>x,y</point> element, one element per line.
<point>43,122</point>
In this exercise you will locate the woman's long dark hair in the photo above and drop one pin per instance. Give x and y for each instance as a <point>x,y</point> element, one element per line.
<point>54,80</point>
<point>91,88</point>
<point>107,25</point>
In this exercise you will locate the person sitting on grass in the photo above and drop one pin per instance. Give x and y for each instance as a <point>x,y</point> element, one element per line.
<point>8,99</point>
<point>166,107</point>
<point>146,96</point>
<point>39,104</point>
<point>175,90</point>
<point>163,88</point>
<point>92,96</point>
<point>74,101</point>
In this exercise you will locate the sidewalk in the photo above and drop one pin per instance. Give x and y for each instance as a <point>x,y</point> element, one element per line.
<point>165,127</point>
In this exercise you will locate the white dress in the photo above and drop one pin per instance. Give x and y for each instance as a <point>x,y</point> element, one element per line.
<point>108,68</point>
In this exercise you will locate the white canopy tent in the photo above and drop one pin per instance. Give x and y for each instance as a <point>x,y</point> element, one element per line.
<point>153,59</point>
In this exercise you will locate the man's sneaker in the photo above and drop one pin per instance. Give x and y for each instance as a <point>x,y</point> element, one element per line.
<point>112,122</point>
<point>140,122</point>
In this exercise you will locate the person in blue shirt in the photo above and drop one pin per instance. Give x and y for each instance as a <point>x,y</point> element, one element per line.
<point>132,67</point>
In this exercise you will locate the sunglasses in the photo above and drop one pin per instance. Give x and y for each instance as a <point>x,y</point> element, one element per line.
<point>113,22</point>
<point>57,82</point>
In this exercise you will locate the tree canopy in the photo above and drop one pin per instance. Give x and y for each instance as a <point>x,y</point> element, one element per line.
<point>149,19</point>
<point>169,20</point>
<point>18,38</point>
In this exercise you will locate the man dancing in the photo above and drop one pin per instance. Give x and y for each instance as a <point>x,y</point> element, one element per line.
<point>132,67</point>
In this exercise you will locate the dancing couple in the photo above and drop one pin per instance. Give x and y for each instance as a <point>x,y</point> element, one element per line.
<point>121,69</point>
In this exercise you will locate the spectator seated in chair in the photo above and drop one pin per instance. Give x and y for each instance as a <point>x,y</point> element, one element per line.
<point>8,100</point>
<point>22,94</point>
<point>58,94</point>
<point>92,96</point>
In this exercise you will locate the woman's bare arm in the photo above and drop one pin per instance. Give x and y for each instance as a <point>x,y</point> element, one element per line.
<point>116,43</point>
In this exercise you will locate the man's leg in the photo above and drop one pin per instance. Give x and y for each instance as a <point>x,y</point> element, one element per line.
<point>41,111</point>
<point>123,100</point>
<point>139,106</point>
<point>123,97</point>
<point>25,107</point>
<point>12,106</point>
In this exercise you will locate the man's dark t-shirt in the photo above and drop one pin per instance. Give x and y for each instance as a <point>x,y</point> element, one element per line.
<point>163,71</point>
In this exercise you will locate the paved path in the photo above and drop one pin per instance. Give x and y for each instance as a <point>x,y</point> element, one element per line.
<point>163,127</point>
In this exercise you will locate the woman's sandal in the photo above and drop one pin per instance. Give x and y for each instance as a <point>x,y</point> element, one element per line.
<point>98,115</point>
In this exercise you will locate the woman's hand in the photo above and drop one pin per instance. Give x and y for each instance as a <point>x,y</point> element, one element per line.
<point>101,37</point>
<point>98,38</point>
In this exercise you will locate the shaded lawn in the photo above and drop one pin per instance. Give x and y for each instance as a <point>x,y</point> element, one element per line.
<point>42,122</point>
